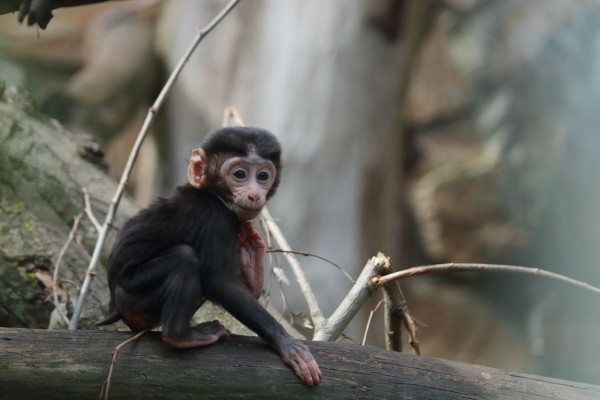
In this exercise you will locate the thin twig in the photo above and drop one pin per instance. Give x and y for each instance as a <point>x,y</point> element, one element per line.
<point>272,261</point>
<point>285,306</point>
<point>411,327</point>
<point>57,265</point>
<point>231,113</point>
<point>132,157</point>
<point>472,267</point>
<point>373,311</point>
<point>301,253</point>
<point>88,209</point>
<point>106,385</point>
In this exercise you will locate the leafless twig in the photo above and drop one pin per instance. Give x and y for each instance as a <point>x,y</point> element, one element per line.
<point>106,385</point>
<point>472,267</point>
<point>373,311</point>
<point>231,116</point>
<point>61,254</point>
<point>301,253</point>
<point>396,315</point>
<point>333,326</point>
<point>88,210</point>
<point>201,33</point>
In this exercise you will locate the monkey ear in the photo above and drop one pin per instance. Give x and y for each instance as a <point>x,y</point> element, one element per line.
<point>196,167</point>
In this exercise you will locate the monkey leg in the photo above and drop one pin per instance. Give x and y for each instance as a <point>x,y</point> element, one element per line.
<point>252,258</point>
<point>201,335</point>
<point>182,295</point>
<point>167,291</point>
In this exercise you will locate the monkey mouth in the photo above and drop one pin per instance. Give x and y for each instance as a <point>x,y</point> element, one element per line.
<point>246,213</point>
<point>250,206</point>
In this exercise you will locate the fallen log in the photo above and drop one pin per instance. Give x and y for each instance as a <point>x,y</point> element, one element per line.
<point>74,365</point>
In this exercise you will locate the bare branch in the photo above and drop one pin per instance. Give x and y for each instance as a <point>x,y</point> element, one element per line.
<point>397,313</point>
<point>231,116</point>
<point>132,157</point>
<point>472,267</point>
<point>373,311</point>
<point>61,254</point>
<point>88,209</point>
<point>392,322</point>
<point>106,386</point>
<point>316,256</point>
<point>356,297</point>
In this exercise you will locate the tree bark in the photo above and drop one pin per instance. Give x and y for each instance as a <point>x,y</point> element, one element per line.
<point>74,365</point>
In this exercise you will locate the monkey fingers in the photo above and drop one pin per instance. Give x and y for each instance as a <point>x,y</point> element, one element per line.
<point>296,355</point>
<point>252,258</point>
<point>201,335</point>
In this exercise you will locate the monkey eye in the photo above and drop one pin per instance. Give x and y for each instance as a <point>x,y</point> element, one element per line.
<point>239,174</point>
<point>263,176</point>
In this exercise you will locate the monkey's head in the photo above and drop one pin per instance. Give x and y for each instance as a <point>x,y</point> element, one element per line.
<point>241,165</point>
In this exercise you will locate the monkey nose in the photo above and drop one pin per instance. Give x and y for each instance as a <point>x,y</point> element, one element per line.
<point>254,200</point>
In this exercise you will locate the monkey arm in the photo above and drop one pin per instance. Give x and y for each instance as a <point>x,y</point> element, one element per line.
<point>239,302</point>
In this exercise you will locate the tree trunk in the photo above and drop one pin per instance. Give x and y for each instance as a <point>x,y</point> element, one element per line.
<point>74,365</point>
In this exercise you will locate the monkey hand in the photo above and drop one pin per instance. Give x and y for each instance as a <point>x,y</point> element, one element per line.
<point>296,355</point>
<point>36,11</point>
<point>252,258</point>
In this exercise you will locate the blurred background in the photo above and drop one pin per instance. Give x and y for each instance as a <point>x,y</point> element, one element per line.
<point>431,130</point>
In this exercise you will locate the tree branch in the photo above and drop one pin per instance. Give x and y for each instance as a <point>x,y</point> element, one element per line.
<point>303,253</point>
<point>473,267</point>
<point>49,365</point>
<point>358,294</point>
<point>396,314</point>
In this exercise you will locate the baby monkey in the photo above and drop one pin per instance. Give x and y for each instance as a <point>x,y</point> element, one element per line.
<point>199,245</point>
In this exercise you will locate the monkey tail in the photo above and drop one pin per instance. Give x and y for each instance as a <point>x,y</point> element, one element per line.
<point>113,317</point>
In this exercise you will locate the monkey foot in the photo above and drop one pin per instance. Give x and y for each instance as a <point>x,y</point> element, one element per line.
<point>202,335</point>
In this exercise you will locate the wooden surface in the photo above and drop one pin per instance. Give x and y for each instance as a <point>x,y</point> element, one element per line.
<point>36,364</point>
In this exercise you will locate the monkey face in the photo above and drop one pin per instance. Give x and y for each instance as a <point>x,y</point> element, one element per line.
<point>249,180</point>
<point>242,166</point>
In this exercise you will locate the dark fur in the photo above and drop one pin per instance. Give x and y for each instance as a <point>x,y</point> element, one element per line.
<point>182,250</point>
<point>209,230</point>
